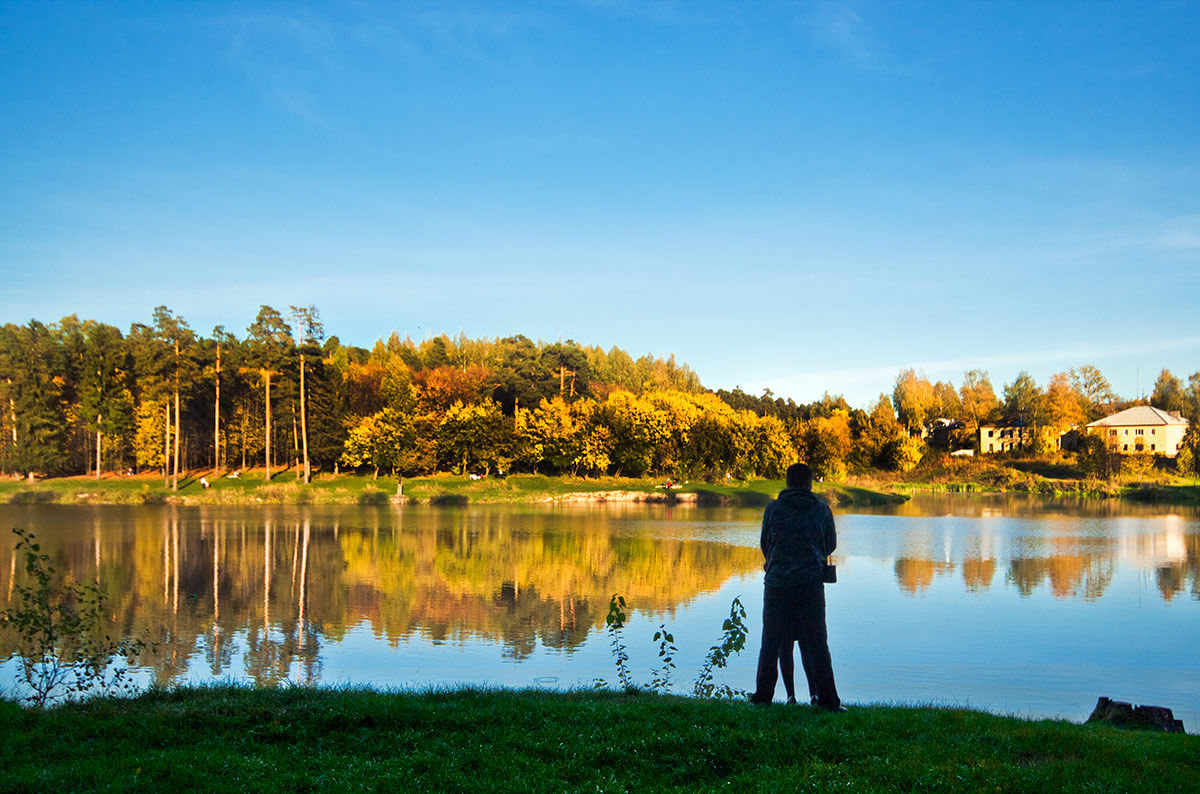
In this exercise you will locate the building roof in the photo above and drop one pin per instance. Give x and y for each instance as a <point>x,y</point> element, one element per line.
<point>1139,415</point>
<point>1015,420</point>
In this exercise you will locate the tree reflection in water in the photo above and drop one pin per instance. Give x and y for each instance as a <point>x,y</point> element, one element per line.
<point>267,590</point>
<point>261,594</point>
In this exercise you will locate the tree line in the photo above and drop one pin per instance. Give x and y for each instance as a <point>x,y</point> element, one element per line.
<point>83,397</point>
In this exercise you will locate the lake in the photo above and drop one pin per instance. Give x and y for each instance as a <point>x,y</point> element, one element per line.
<point>1006,603</point>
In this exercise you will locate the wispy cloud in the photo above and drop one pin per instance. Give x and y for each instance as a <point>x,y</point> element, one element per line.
<point>1181,233</point>
<point>840,27</point>
<point>299,56</point>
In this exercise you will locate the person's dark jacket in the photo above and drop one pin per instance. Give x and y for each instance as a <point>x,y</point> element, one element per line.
<point>797,537</point>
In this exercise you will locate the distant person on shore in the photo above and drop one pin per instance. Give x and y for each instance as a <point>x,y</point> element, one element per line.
<point>797,538</point>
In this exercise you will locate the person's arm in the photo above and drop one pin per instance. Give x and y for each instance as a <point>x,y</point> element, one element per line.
<point>764,538</point>
<point>830,533</point>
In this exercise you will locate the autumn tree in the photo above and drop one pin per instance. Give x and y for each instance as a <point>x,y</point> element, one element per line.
<point>555,430</point>
<point>913,398</point>
<point>1168,393</point>
<point>637,429</point>
<point>105,399</point>
<point>476,436</point>
<point>1021,396</point>
<point>174,332</point>
<point>268,340</point>
<point>378,441</point>
<point>1191,399</point>
<point>38,422</point>
<point>1094,457</point>
<point>310,333</point>
<point>827,442</point>
<point>903,454</point>
<point>873,431</point>
<point>947,399</point>
<point>978,400</point>
<point>1094,390</point>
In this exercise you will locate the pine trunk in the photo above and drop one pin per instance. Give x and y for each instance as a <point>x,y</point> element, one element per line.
<point>296,443</point>
<point>97,446</point>
<point>267,432</point>
<point>166,445</point>
<point>175,477</point>
<point>304,423</point>
<point>217,422</point>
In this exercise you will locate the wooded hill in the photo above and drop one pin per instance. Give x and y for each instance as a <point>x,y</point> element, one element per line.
<point>82,397</point>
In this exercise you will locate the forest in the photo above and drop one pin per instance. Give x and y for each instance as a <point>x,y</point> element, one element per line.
<point>84,398</point>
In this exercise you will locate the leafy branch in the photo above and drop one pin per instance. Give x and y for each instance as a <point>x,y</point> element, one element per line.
<point>733,640</point>
<point>615,621</point>
<point>59,632</point>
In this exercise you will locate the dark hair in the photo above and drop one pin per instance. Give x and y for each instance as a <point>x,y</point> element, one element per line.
<point>799,476</point>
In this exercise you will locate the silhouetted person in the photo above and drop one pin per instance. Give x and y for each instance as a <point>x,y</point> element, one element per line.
<point>797,538</point>
<point>787,671</point>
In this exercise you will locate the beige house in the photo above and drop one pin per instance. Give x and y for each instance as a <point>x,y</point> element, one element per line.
<point>1004,436</point>
<point>1142,429</point>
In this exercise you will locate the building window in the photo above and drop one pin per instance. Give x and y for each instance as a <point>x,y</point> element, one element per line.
<point>990,433</point>
<point>1112,432</point>
<point>1151,447</point>
<point>1138,432</point>
<point>1125,448</point>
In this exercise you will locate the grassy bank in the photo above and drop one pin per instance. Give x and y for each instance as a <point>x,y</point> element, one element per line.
<point>1056,475</point>
<point>251,488</point>
<point>299,739</point>
<point>988,475</point>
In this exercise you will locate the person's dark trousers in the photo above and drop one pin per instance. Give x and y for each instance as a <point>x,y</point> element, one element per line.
<point>796,613</point>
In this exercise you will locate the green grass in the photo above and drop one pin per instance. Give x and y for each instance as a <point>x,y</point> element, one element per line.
<point>948,475</point>
<point>284,488</point>
<point>299,739</point>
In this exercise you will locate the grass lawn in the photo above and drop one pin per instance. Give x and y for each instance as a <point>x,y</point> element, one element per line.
<point>299,739</point>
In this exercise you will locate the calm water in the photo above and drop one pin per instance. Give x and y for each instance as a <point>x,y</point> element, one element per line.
<point>1008,604</point>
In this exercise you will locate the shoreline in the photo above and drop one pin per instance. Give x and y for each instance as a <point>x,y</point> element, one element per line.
<point>251,489</point>
<point>347,489</point>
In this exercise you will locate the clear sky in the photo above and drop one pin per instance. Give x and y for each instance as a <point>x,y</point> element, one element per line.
<point>801,196</point>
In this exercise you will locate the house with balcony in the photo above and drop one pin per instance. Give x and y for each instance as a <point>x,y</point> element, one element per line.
<point>1004,436</point>
<point>1013,433</point>
<point>1142,428</point>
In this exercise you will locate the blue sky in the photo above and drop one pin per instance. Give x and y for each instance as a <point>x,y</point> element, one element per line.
<point>801,196</point>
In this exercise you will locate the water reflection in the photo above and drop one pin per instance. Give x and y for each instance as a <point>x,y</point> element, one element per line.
<point>257,595</point>
<point>406,595</point>
<point>1074,556</point>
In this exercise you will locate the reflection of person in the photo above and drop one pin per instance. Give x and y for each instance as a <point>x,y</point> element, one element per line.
<point>797,538</point>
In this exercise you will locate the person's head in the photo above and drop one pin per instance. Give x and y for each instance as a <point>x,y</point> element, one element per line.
<point>799,476</point>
